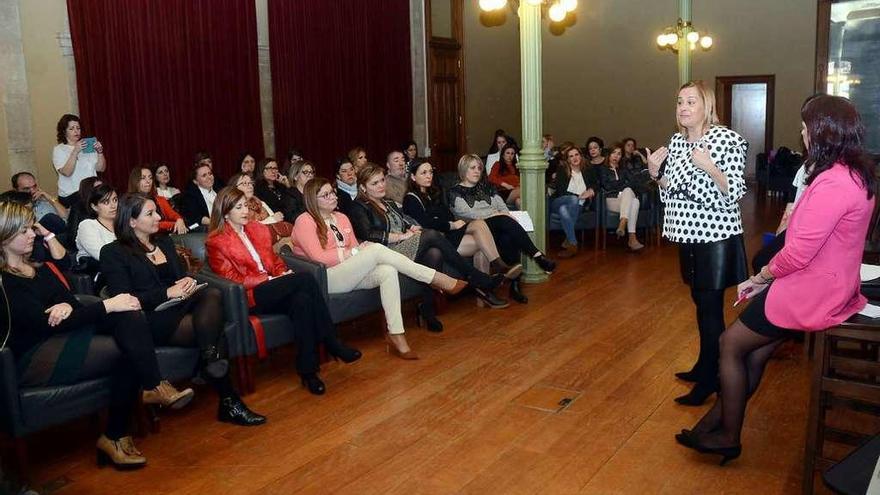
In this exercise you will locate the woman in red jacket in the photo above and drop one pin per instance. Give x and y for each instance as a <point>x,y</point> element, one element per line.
<point>505,176</point>
<point>241,251</point>
<point>140,180</point>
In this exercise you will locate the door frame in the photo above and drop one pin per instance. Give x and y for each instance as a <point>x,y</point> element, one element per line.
<point>457,42</point>
<point>723,98</point>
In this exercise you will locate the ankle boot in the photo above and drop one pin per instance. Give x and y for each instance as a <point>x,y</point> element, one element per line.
<point>488,299</point>
<point>510,272</point>
<point>114,452</point>
<point>213,364</point>
<point>516,292</point>
<point>313,383</point>
<point>545,263</point>
<point>480,280</point>
<point>445,283</point>
<point>425,314</point>
<point>341,351</point>
<point>167,396</point>
<point>233,410</point>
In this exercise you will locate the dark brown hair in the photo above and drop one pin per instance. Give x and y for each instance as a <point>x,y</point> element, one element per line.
<point>61,128</point>
<point>223,204</point>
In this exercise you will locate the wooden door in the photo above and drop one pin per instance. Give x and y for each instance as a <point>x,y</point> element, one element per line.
<point>446,129</point>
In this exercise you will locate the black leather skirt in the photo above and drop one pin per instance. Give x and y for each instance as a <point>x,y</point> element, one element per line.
<point>713,265</point>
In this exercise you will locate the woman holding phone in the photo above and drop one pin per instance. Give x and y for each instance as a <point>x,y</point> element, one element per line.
<point>75,158</point>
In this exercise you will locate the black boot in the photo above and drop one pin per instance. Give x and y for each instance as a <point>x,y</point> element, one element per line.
<point>510,272</point>
<point>488,298</point>
<point>545,263</point>
<point>233,410</point>
<point>213,364</point>
<point>313,383</point>
<point>480,280</point>
<point>425,314</point>
<point>516,292</point>
<point>341,351</point>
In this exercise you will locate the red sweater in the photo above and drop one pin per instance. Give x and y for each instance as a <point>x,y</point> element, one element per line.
<point>497,176</point>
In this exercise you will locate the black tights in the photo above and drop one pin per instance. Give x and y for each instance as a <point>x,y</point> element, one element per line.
<point>710,322</point>
<point>199,321</point>
<point>434,249</point>
<point>510,238</point>
<point>744,356</point>
<point>298,296</point>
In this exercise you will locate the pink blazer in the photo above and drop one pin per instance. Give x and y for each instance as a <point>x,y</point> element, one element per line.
<point>817,272</point>
<point>307,245</point>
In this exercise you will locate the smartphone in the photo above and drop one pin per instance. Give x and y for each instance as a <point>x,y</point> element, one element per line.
<point>90,145</point>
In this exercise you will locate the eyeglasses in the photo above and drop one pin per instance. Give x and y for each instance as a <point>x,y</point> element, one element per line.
<point>246,183</point>
<point>340,239</point>
<point>270,168</point>
<point>327,195</point>
<point>307,172</point>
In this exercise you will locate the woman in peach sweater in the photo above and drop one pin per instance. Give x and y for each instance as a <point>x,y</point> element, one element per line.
<point>326,236</point>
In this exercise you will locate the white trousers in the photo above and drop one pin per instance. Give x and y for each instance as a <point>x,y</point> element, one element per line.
<point>627,205</point>
<point>378,266</point>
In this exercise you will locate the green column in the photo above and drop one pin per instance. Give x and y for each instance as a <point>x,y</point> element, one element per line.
<point>531,158</point>
<point>684,50</point>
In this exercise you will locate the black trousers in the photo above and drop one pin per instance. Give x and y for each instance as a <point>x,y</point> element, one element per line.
<point>299,297</point>
<point>510,238</point>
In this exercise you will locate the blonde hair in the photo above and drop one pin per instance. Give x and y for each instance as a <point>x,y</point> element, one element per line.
<point>707,95</point>
<point>465,162</point>
<point>13,216</point>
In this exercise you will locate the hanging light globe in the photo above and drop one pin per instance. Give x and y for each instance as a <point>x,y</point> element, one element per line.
<point>661,40</point>
<point>487,5</point>
<point>569,5</point>
<point>671,39</point>
<point>557,12</point>
<point>693,37</point>
<point>706,42</point>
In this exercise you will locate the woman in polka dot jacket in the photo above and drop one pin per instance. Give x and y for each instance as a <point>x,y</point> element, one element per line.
<point>700,186</point>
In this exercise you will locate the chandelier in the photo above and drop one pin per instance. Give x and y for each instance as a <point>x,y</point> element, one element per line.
<point>557,10</point>
<point>683,29</point>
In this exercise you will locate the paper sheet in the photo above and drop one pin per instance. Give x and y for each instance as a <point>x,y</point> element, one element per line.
<point>869,272</point>
<point>525,221</point>
<point>871,311</point>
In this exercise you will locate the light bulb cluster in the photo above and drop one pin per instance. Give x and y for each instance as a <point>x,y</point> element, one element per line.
<point>557,11</point>
<point>673,34</point>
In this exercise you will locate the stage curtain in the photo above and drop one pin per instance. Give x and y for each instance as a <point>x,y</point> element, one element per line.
<point>162,79</point>
<point>340,77</point>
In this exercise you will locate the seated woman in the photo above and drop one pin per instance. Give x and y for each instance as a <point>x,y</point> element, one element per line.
<point>270,189</point>
<point>241,250</point>
<point>246,164</point>
<point>574,185</point>
<point>475,199</point>
<point>346,185</point>
<point>259,211</point>
<point>324,235</point>
<point>595,150</point>
<point>140,180</point>
<point>146,266</point>
<point>358,158</point>
<point>410,152</point>
<point>377,219</point>
<point>162,176</point>
<point>96,232</point>
<point>301,172</point>
<point>423,202</point>
<point>198,197</point>
<point>56,340</point>
<point>80,210</point>
<point>505,176</point>
<point>619,196</point>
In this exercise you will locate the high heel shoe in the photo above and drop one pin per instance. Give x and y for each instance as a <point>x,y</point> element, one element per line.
<point>727,453</point>
<point>688,376</point>
<point>545,263</point>
<point>429,319</point>
<point>391,348</point>
<point>510,272</point>
<point>446,284</point>
<point>166,395</point>
<point>115,452</point>
<point>516,292</point>
<point>698,395</point>
<point>313,383</point>
<point>488,299</point>
<point>485,281</point>
<point>338,350</point>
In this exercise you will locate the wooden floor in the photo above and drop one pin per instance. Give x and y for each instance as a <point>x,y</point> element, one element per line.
<point>571,393</point>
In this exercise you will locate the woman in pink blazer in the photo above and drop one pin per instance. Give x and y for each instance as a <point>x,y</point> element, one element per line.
<point>812,283</point>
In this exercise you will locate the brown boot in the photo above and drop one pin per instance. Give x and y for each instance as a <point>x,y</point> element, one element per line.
<point>510,272</point>
<point>168,396</point>
<point>568,251</point>
<point>114,452</point>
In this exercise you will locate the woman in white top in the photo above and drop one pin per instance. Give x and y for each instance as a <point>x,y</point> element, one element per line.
<point>74,159</point>
<point>162,174</point>
<point>96,232</point>
<point>700,186</point>
<point>574,185</point>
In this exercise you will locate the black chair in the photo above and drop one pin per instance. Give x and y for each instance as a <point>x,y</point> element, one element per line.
<point>26,410</point>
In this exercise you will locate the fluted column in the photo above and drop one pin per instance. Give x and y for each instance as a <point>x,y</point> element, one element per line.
<point>684,49</point>
<point>531,158</point>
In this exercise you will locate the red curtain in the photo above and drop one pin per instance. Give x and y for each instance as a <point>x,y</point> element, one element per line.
<point>340,77</point>
<point>160,80</point>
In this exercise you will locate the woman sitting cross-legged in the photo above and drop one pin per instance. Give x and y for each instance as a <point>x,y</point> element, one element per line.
<point>575,184</point>
<point>326,236</point>
<point>475,199</point>
<point>380,220</point>
<point>241,250</point>
<point>146,266</point>
<point>424,203</point>
<point>141,180</point>
<point>619,196</point>
<point>56,340</point>
<point>259,211</point>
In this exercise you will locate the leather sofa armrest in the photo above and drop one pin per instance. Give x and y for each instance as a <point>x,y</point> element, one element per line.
<point>10,406</point>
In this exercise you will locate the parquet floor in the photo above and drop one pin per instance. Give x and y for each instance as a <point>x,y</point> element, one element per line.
<point>480,412</point>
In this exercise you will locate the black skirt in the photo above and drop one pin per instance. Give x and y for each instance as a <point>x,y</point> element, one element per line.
<point>754,317</point>
<point>713,265</point>
<point>454,236</point>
